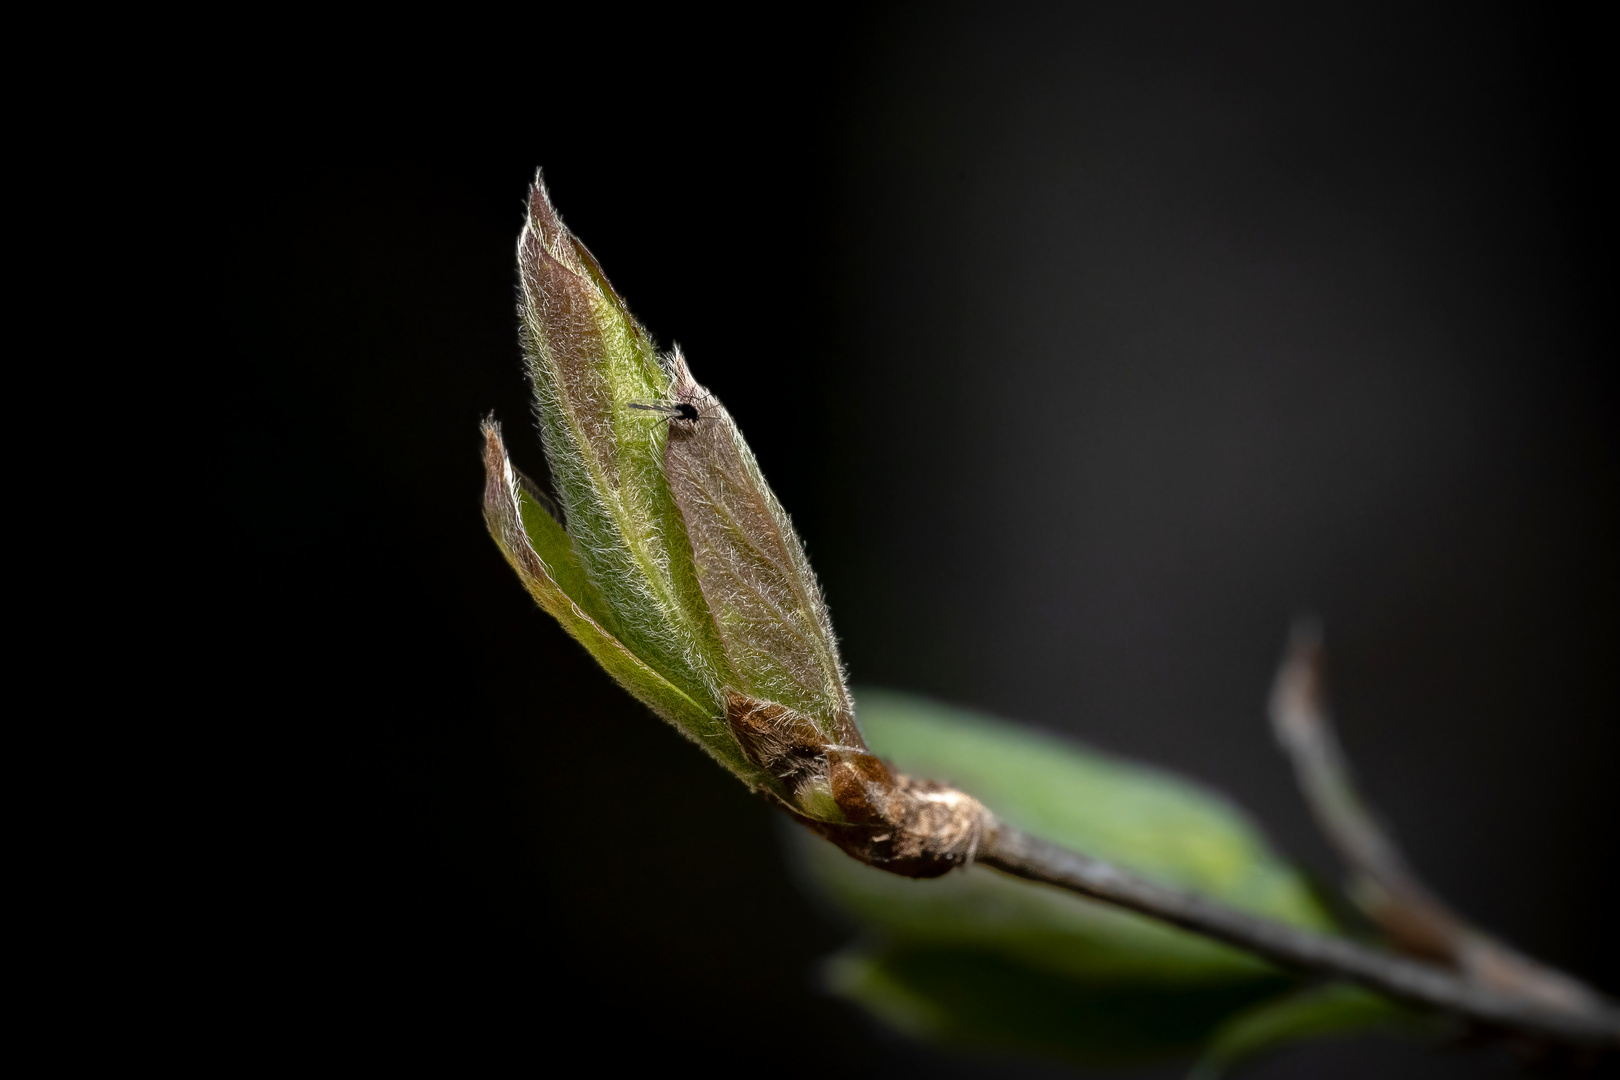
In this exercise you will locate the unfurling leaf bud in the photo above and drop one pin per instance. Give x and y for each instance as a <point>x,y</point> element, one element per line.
<point>671,561</point>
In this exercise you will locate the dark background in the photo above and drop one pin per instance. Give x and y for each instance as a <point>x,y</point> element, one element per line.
<point>1087,345</point>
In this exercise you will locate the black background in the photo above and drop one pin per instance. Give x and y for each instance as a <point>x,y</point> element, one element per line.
<point>1087,346</point>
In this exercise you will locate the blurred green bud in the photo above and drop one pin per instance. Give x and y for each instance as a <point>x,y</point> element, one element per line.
<point>671,561</point>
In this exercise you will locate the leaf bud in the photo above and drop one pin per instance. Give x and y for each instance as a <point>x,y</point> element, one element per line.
<point>669,558</point>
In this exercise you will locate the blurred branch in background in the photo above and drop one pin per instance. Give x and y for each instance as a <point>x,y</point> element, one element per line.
<point>1382,885</point>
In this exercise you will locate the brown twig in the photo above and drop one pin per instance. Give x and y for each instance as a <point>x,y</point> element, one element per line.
<point>1381,882</point>
<point>1592,1025</point>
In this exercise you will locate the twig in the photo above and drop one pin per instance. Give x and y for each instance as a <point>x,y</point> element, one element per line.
<point>1382,884</point>
<point>1012,851</point>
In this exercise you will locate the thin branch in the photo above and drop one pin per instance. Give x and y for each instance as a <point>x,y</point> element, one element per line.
<point>1382,884</point>
<point>1012,851</point>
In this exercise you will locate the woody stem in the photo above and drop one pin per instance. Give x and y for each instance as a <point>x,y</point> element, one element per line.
<point>1014,852</point>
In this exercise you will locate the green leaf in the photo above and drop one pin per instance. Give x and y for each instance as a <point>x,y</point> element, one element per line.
<point>552,543</point>
<point>1163,826</point>
<point>1335,1009</point>
<point>588,358</point>
<point>752,568</point>
<point>503,514</point>
<point>985,1001</point>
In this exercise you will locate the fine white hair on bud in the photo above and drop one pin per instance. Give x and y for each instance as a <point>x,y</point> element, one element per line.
<point>673,563</point>
<point>756,580</point>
